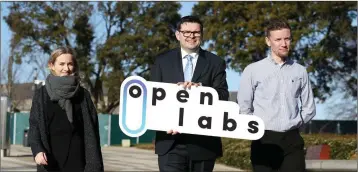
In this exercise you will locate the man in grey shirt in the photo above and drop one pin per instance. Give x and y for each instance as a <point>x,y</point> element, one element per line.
<point>273,89</point>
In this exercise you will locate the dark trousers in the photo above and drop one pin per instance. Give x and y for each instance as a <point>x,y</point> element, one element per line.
<point>178,160</point>
<point>278,152</point>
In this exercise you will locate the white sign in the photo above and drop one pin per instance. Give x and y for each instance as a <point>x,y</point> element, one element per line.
<point>163,107</point>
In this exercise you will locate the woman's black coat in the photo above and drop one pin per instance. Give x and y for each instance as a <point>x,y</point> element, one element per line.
<point>38,132</point>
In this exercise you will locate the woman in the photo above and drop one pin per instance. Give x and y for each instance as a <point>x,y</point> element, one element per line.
<point>64,133</point>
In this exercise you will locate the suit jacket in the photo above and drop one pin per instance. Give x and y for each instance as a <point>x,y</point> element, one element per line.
<point>210,71</point>
<point>39,133</point>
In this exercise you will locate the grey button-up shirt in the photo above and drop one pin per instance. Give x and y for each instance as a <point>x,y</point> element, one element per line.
<point>274,93</point>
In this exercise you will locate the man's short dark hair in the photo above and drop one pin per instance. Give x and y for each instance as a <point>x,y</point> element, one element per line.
<point>190,19</point>
<point>276,24</point>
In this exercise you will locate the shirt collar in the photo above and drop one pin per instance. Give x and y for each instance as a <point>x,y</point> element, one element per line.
<point>184,53</point>
<point>287,61</point>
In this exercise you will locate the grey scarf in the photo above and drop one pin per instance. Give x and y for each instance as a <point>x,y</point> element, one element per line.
<point>62,89</point>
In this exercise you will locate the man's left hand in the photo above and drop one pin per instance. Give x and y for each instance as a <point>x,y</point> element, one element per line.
<point>188,84</point>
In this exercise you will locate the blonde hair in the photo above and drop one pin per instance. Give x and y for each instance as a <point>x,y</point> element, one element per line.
<point>63,50</point>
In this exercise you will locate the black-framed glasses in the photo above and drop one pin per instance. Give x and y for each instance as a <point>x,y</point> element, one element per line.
<point>188,33</point>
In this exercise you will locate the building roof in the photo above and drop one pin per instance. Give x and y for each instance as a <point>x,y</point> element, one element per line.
<point>20,91</point>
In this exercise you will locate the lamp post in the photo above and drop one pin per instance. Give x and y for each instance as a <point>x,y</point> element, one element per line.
<point>4,130</point>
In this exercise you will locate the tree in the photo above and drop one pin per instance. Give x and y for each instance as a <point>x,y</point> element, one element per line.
<point>141,30</point>
<point>41,27</point>
<point>11,67</point>
<point>324,39</point>
<point>341,107</point>
<point>135,32</point>
<point>10,71</point>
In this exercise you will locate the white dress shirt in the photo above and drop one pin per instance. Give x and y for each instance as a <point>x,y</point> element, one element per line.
<point>195,56</point>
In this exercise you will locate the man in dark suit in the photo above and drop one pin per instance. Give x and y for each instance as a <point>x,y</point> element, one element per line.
<point>189,66</point>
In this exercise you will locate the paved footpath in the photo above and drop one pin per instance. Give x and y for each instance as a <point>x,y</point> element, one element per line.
<point>114,158</point>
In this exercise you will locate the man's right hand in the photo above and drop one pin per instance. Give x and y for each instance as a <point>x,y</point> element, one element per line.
<point>41,158</point>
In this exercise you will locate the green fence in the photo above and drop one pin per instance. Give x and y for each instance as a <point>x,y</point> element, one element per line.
<point>110,133</point>
<point>103,121</point>
<point>18,123</point>
<point>117,135</point>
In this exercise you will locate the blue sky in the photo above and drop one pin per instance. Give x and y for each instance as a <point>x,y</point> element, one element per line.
<point>233,77</point>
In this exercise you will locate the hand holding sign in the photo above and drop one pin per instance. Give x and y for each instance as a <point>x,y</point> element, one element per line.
<point>163,107</point>
<point>186,85</point>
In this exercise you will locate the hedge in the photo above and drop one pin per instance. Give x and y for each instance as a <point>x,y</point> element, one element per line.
<point>237,152</point>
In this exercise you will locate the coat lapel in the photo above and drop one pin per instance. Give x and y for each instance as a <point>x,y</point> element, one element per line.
<point>178,66</point>
<point>200,66</point>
